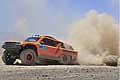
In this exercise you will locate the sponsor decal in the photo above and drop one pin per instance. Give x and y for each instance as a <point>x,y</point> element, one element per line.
<point>44,47</point>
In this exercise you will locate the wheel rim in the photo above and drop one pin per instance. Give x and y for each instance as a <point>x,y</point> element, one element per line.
<point>64,58</point>
<point>29,57</point>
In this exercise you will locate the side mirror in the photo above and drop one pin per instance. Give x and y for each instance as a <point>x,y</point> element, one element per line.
<point>42,42</point>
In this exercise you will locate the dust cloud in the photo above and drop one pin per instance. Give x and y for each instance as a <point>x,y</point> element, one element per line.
<point>94,37</point>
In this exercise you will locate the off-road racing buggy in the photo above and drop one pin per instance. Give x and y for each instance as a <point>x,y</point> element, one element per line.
<point>39,49</point>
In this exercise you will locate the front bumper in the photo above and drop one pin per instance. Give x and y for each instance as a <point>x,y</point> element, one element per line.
<point>11,45</point>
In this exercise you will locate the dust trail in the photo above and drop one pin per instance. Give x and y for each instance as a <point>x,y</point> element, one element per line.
<point>95,36</point>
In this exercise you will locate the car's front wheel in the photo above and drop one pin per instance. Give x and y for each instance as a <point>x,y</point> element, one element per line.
<point>8,57</point>
<point>28,57</point>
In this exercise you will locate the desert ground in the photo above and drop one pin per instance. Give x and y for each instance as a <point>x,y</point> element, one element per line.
<point>58,72</point>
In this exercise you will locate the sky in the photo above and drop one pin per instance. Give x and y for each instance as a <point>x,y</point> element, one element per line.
<point>49,17</point>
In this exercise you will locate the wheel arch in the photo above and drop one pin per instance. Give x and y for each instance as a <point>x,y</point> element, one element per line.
<point>30,46</point>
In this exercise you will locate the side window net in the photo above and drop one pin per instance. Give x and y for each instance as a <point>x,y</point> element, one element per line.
<point>49,42</point>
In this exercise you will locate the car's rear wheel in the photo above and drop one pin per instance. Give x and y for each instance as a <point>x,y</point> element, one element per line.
<point>28,57</point>
<point>8,57</point>
<point>65,59</point>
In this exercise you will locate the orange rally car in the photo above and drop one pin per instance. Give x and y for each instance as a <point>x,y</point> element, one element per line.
<point>39,50</point>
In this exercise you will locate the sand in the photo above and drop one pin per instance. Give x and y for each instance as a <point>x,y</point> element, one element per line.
<point>58,72</point>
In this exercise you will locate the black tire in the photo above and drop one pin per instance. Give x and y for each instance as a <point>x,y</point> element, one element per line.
<point>8,58</point>
<point>28,57</point>
<point>65,59</point>
<point>110,60</point>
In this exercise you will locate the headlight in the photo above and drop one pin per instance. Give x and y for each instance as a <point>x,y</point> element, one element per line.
<point>18,43</point>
